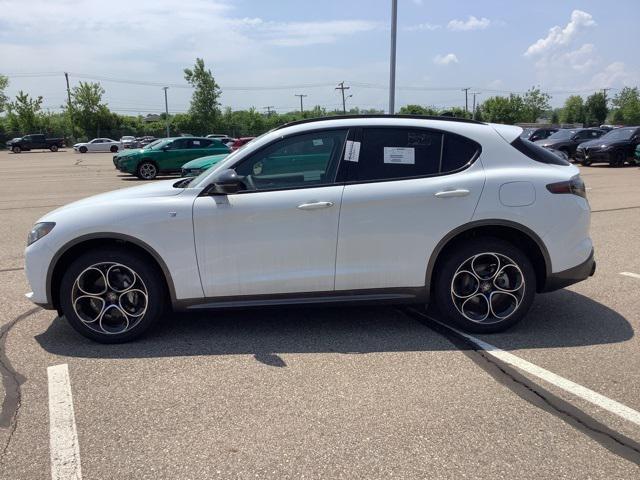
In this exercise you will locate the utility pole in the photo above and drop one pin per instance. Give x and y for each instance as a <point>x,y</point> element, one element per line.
<point>301,97</point>
<point>269,109</point>
<point>604,92</point>
<point>70,108</point>
<point>474,104</point>
<point>392,59</point>
<point>466,99</point>
<point>342,88</point>
<point>166,109</point>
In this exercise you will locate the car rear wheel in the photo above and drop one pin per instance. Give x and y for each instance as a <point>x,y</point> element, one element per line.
<point>618,159</point>
<point>83,149</point>
<point>16,149</point>
<point>485,285</point>
<point>114,149</point>
<point>147,171</point>
<point>111,296</point>
<point>53,148</point>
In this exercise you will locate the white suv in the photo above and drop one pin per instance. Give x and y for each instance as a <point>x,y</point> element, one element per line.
<point>372,209</point>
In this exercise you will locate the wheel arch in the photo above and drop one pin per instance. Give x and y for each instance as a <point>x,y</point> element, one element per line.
<point>65,255</point>
<point>516,233</point>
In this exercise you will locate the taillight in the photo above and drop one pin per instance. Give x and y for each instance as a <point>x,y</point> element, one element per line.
<point>573,186</point>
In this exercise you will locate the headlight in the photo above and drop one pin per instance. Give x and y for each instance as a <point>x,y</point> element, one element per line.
<point>39,230</point>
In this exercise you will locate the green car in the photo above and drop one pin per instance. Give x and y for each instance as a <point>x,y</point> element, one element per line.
<point>199,165</point>
<point>166,156</point>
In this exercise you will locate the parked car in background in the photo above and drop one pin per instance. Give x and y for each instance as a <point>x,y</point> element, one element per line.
<point>568,139</point>
<point>615,148</point>
<point>534,134</point>
<point>226,139</point>
<point>98,145</point>
<point>144,141</point>
<point>166,156</point>
<point>199,165</point>
<point>129,141</point>
<point>239,142</point>
<point>461,214</point>
<point>35,141</point>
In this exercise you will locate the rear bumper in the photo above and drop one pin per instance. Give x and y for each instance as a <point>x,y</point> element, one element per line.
<point>558,280</point>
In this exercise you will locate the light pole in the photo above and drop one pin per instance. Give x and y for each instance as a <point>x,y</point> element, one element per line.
<point>166,109</point>
<point>392,60</point>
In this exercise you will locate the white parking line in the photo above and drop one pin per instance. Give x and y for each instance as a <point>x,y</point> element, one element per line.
<point>629,274</point>
<point>63,437</point>
<point>585,393</point>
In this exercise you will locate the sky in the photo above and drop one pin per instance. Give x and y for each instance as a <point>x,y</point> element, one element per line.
<point>264,52</point>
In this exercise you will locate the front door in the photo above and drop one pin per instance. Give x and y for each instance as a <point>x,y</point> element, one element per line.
<point>279,234</point>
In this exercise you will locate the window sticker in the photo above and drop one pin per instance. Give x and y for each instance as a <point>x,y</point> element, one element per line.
<point>317,142</point>
<point>352,151</point>
<point>400,155</point>
<point>196,142</point>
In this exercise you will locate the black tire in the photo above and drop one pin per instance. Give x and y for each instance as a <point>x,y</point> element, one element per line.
<point>83,149</point>
<point>456,263</point>
<point>147,170</point>
<point>618,159</point>
<point>586,163</point>
<point>146,277</point>
<point>113,149</point>
<point>53,148</point>
<point>16,149</point>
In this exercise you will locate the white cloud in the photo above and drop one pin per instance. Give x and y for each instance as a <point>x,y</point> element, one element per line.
<point>559,36</point>
<point>422,26</point>
<point>471,23</point>
<point>445,59</point>
<point>615,73</point>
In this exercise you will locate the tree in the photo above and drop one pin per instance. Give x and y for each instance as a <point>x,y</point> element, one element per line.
<point>24,112</point>
<point>205,107</point>
<point>88,110</point>
<point>4,83</point>
<point>535,103</point>
<point>503,109</point>
<point>627,103</point>
<point>417,110</point>
<point>595,109</point>
<point>573,110</point>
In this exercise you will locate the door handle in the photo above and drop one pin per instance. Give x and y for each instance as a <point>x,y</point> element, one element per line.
<point>315,205</point>
<point>458,192</point>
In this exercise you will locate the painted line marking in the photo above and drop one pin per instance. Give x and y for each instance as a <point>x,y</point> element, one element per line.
<point>585,393</point>
<point>629,274</point>
<point>63,437</point>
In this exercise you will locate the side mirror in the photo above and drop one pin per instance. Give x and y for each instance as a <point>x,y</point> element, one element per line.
<point>226,182</point>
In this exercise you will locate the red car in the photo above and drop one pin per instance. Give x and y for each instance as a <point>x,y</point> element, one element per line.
<point>240,142</point>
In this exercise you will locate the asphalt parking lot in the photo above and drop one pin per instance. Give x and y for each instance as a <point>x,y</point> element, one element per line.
<point>367,392</point>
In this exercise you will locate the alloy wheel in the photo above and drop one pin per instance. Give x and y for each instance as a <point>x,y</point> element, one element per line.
<point>109,298</point>
<point>148,171</point>
<point>488,288</point>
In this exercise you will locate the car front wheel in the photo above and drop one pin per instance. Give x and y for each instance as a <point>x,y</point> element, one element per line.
<point>485,285</point>
<point>53,148</point>
<point>111,296</point>
<point>147,171</point>
<point>83,149</point>
<point>16,149</point>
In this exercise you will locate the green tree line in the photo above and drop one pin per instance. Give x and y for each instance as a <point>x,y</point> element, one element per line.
<point>87,115</point>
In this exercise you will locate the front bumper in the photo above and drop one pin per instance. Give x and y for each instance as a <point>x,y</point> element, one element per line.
<point>593,156</point>
<point>556,281</point>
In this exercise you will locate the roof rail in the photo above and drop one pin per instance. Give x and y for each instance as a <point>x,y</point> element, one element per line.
<point>416,117</point>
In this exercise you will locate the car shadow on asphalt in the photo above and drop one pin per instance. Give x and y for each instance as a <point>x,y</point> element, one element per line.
<point>559,319</point>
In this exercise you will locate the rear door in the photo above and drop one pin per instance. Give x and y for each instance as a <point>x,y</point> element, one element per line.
<point>407,188</point>
<point>175,155</point>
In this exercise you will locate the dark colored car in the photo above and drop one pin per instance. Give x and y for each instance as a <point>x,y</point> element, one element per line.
<point>239,142</point>
<point>568,139</point>
<point>144,141</point>
<point>166,156</point>
<point>36,141</point>
<point>535,134</point>
<point>614,148</point>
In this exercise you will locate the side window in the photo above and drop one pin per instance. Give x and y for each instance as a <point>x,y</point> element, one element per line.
<point>300,161</point>
<point>179,144</point>
<point>394,153</point>
<point>199,143</point>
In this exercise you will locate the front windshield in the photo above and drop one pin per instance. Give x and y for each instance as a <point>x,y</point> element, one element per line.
<point>561,134</point>
<point>619,134</point>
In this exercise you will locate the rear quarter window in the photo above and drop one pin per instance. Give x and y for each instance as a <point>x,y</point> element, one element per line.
<point>537,153</point>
